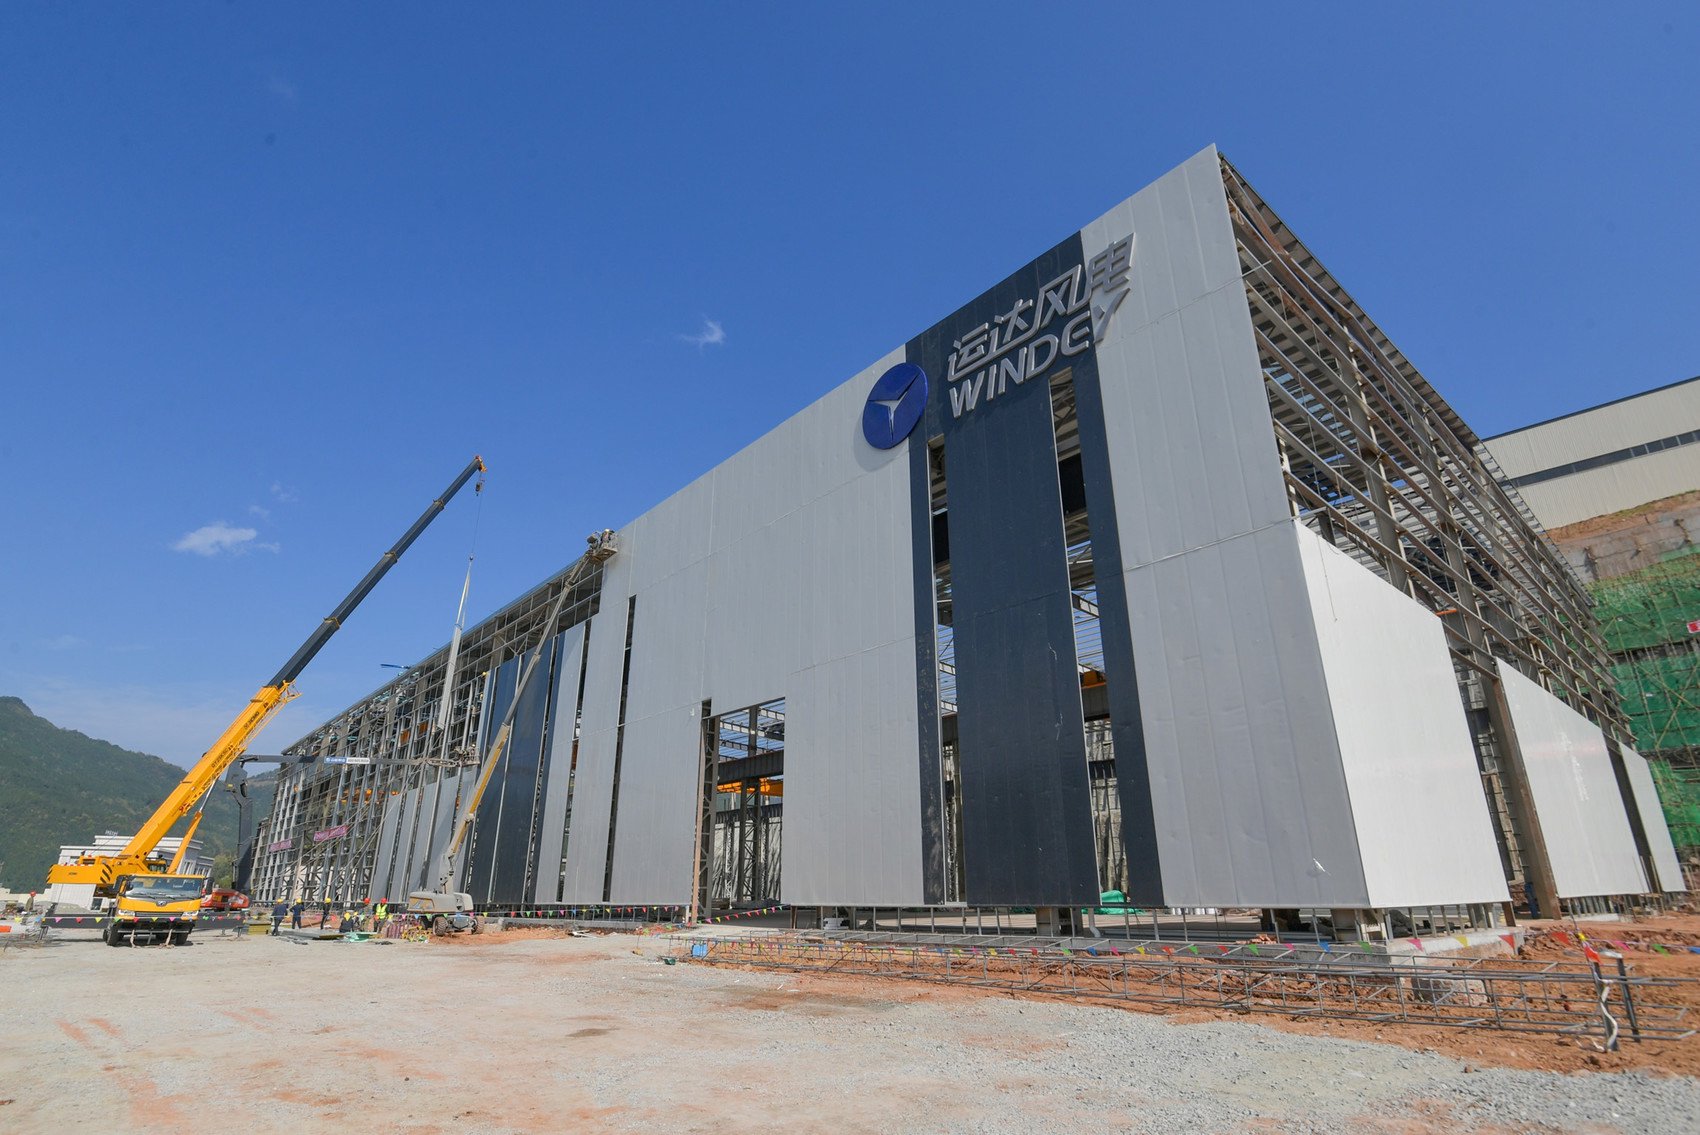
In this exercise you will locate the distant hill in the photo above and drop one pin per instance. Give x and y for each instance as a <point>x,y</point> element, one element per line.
<point>58,786</point>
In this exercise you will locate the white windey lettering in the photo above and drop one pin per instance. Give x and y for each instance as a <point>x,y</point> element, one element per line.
<point>1017,346</point>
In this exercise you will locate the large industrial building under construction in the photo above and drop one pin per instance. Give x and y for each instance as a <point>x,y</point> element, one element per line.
<point>1156,568</point>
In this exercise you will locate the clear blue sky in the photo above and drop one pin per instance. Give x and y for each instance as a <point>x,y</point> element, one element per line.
<point>285,268</point>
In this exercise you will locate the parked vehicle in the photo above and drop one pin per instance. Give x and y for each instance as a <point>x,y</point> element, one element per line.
<point>224,898</point>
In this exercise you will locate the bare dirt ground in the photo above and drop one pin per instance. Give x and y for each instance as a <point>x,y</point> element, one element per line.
<point>529,1031</point>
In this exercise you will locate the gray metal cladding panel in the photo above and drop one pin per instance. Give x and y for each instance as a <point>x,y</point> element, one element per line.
<point>660,759</point>
<point>852,812</point>
<point>1247,789</point>
<point>444,803</point>
<point>525,754</point>
<point>654,850</point>
<point>558,778</point>
<point>1581,808</point>
<point>386,846</point>
<point>1404,739</point>
<point>585,848</point>
<point>1026,811</point>
<point>1186,415</point>
<point>1251,800</point>
<point>415,837</point>
<point>793,554</point>
<point>409,818</point>
<point>480,863</point>
<point>1665,863</point>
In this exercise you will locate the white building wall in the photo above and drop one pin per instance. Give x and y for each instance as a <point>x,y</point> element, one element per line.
<point>1421,815</point>
<point>1602,429</point>
<point>1616,487</point>
<point>1583,821</point>
<point>1611,488</point>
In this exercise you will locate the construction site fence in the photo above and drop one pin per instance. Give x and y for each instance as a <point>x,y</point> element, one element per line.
<point>1583,999</point>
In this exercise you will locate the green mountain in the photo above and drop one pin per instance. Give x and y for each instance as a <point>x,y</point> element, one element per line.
<point>58,786</point>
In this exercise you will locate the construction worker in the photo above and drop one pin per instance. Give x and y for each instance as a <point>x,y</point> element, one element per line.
<point>295,914</point>
<point>382,915</point>
<point>279,909</point>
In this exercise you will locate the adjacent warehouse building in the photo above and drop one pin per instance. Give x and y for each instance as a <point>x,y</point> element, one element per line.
<point>1618,488</point>
<point>1155,568</point>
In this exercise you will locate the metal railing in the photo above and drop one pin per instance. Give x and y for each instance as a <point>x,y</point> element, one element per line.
<point>1485,993</point>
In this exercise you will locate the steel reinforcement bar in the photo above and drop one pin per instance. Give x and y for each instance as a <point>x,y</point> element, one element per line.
<point>1482,993</point>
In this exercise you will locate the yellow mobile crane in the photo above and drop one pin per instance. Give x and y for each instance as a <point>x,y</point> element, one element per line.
<point>149,896</point>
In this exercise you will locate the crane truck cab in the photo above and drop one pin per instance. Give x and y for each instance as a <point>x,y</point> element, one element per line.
<point>448,911</point>
<point>154,906</point>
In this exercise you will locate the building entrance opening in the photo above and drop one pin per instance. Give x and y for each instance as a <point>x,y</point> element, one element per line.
<point>743,802</point>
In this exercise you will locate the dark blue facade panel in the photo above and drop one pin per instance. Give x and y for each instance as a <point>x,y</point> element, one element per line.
<point>1127,731</point>
<point>1026,805</point>
<point>478,866</point>
<point>522,766</point>
<point>923,548</point>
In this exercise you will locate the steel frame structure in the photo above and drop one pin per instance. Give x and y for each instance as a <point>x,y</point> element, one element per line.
<point>1378,464</point>
<point>395,728</point>
<point>742,808</point>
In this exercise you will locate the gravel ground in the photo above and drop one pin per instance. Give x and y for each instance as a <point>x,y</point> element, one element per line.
<point>549,1034</point>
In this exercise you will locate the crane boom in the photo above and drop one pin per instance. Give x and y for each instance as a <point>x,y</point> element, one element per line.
<point>333,621</point>
<point>103,870</point>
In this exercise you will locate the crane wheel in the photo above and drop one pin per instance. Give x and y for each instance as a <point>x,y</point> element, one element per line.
<point>440,926</point>
<point>477,924</point>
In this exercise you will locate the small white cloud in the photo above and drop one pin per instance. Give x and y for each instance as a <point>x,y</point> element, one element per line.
<point>211,539</point>
<point>283,494</point>
<point>64,642</point>
<point>711,335</point>
<point>262,513</point>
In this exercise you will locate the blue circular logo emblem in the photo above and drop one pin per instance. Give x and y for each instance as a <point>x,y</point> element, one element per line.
<point>895,404</point>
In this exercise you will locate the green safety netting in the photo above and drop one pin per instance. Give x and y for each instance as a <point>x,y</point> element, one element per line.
<point>1644,618</point>
<point>1679,792</point>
